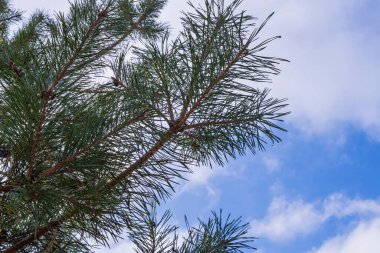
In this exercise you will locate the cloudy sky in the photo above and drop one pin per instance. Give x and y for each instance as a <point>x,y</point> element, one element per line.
<point>317,191</point>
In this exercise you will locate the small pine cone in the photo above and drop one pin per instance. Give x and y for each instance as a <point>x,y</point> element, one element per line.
<point>102,14</point>
<point>115,81</point>
<point>12,65</point>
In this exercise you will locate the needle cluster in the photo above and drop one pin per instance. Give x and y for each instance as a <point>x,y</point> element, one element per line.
<point>102,113</point>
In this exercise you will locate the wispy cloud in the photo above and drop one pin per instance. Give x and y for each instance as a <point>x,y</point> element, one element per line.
<point>271,163</point>
<point>364,237</point>
<point>200,180</point>
<point>122,247</point>
<point>334,48</point>
<point>286,220</point>
<point>46,5</point>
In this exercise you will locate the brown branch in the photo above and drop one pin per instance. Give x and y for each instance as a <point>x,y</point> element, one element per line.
<point>13,66</point>
<point>61,74</point>
<point>8,187</point>
<point>49,91</point>
<point>138,163</point>
<point>9,18</point>
<point>203,58</point>
<point>37,135</point>
<point>167,93</point>
<point>38,129</point>
<point>54,170</point>
<point>242,52</point>
<point>34,236</point>
<point>51,244</point>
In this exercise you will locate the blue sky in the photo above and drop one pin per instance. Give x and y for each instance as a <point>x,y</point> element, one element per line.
<point>317,191</point>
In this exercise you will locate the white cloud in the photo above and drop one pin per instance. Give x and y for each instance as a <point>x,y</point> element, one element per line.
<point>127,246</point>
<point>200,180</point>
<point>286,220</point>
<point>338,205</point>
<point>202,177</point>
<point>363,238</point>
<point>118,248</point>
<point>332,79</point>
<point>47,5</point>
<point>272,164</point>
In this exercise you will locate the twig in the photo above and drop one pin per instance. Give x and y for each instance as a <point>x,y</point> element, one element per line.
<point>221,122</point>
<point>54,170</point>
<point>49,92</point>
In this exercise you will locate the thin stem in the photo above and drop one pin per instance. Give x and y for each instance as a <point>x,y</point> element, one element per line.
<point>219,246</point>
<point>216,81</point>
<point>34,236</point>
<point>15,16</point>
<point>202,58</point>
<point>52,225</point>
<point>61,74</point>
<point>221,122</point>
<point>167,93</point>
<point>158,112</point>
<point>54,170</point>
<point>138,163</point>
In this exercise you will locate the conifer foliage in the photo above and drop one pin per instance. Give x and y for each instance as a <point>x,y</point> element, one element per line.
<point>102,113</point>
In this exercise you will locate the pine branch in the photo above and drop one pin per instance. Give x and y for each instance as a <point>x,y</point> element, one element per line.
<point>203,57</point>
<point>241,53</point>
<point>56,169</point>
<point>38,129</point>
<point>220,246</point>
<point>39,232</point>
<point>48,94</point>
<point>84,156</point>
<point>61,74</point>
<point>161,114</point>
<point>222,122</point>
<point>136,25</point>
<point>139,162</point>
<point>15,16</point>
<point>167,94</point>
